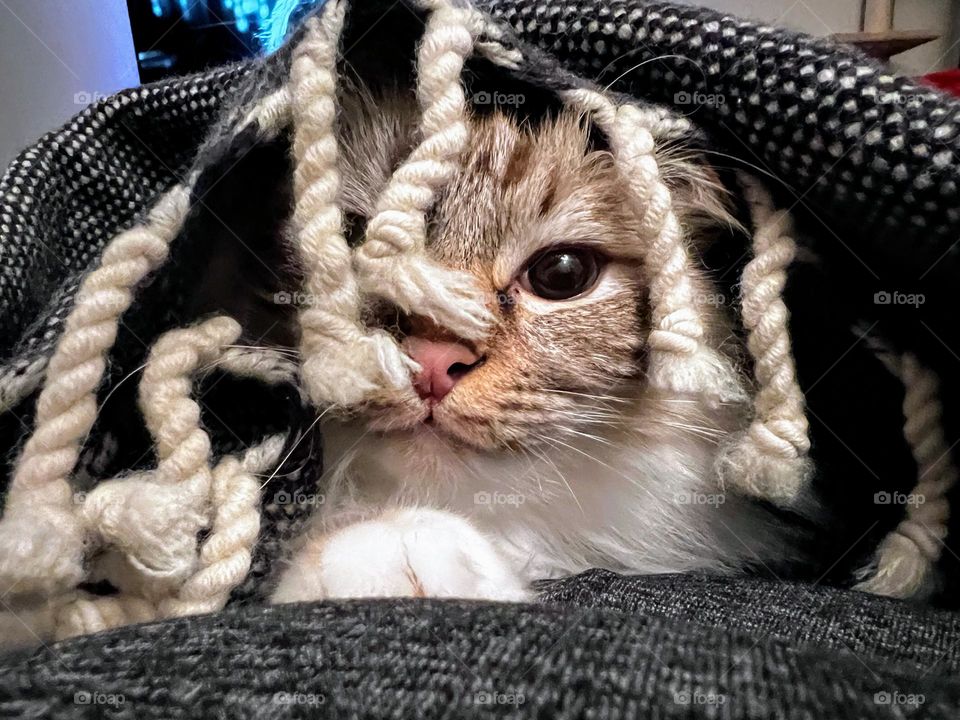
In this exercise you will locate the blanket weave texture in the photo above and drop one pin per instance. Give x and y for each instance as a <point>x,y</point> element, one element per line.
<point>603,646</point>
<point>865,161</point>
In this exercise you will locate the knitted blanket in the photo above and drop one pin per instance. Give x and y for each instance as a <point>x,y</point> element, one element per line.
<point>108,225</point>
<point>600,646</point>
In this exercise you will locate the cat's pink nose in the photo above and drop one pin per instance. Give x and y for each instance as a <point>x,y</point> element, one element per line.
<point>442,364</point>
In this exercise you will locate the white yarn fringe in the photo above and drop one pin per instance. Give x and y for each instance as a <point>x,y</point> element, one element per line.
<point>680,361</point>
<point>769,460</point>
<point>392,261</point>
<point>343,362</point>
<point>906,559</point>
<point>41,538</point>
<point>153,518</point>
<point>146,525</point>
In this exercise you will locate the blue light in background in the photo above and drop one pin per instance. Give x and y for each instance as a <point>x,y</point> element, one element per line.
<point>186,6</point>
<point>276,28</point>
<point>268,19</point>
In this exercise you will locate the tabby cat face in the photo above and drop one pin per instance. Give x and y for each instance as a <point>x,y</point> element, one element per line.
<point>541,221</point>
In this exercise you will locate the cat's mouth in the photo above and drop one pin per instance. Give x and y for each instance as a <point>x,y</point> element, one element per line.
<point>434,422</point>
<point>426,419</point>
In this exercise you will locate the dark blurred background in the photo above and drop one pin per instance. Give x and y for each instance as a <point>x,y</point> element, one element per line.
<point>173,37</point>
<point>59,56</point>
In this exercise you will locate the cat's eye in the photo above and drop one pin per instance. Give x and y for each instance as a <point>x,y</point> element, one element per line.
<point>563,273</point>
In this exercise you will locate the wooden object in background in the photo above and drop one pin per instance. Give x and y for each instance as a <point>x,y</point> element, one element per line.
<point>877,16</point>
<point>878,38</point>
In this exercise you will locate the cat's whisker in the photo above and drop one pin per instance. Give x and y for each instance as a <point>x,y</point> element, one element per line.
<point>267,348</point>
<point>594,438</point>
<point>564,479</point>
<point>603,398</point>
<point>548,461</point>
<point>117,386</point>
<point>294,448</point>
<point>639,65</point>
<point>640,486</point>
<point>585,418</point>
<point>531,469</point>
<point>709,434</point>
<point>556,441</point>
<point>740,163</point>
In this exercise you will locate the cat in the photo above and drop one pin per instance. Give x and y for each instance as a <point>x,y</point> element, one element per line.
<point>543,451</point>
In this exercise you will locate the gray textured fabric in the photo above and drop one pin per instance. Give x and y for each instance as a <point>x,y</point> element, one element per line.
<point>602,647</point>
<point>787,105</point>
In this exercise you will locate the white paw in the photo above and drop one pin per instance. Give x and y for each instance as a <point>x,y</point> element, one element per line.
<point>404,553</point>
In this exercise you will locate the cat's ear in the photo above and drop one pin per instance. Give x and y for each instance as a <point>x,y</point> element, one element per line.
<point>702,199</point>
<point>709,205</point>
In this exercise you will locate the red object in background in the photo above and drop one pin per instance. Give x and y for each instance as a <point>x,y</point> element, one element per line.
<point>948,80</point>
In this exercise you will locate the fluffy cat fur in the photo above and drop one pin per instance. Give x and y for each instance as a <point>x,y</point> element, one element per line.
<point>553,455</point>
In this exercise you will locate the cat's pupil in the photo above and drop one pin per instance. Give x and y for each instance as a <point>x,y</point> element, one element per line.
<point>563,274</point>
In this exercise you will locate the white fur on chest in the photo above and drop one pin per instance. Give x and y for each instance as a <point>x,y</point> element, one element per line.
<point>643,508</point>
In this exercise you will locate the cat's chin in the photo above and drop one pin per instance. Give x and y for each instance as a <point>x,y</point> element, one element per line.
<point>428,433</point>
<point>402,414</point>
<point>428,425</point>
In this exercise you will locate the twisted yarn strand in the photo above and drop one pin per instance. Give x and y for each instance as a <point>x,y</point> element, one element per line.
<point>679,360</point>
<point>226,553</point>
<point>159,532</point>
<point>224,558</point>
<point>391,262</point>
<point>89,614</point>
<point>342,361</point>
<point>154,518</point>
<point>907,556</point>
<point>41,538</point>
<point>263,364</point>
<point>770,459</point>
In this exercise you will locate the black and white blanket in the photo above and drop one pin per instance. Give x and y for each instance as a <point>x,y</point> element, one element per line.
<point>864,159</point>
